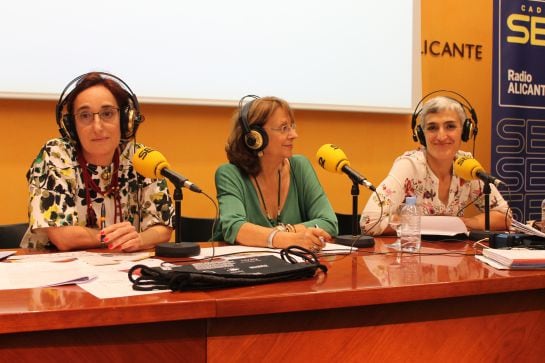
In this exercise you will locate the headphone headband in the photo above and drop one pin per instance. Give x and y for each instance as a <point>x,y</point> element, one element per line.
<point>245,110</point>
<point>470,125</point>
<point>255,137</point>
<point>130,117</point>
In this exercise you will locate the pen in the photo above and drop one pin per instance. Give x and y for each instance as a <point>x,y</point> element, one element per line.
<point>102,222</point>
<point>320,238</point>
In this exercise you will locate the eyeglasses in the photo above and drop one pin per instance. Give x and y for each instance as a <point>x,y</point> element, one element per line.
<point>284,129</point>
<point>107,114</point>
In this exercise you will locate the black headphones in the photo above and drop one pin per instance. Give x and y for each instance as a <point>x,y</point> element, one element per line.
<point>469,127</point>
<point>130,116</point>
<point>255,137</point>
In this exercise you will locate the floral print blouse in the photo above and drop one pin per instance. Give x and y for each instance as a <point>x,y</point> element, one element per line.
<point>57,194</point>
<point>411,176</point>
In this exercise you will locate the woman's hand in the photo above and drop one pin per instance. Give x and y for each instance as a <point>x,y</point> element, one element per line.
<point>122,236</point>
<point>313,239</point>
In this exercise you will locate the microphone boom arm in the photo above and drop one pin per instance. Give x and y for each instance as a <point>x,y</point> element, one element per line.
<point>175,178</point>
<point>179,180</point>
<point>357,177</point>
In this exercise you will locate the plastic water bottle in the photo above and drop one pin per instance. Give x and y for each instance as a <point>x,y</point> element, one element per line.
<point>409,229</point>
<point>543,216</point>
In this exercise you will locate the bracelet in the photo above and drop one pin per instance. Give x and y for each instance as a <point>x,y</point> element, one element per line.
<point>270,238</point>
<point>286,228</point>
<point>290,228</point>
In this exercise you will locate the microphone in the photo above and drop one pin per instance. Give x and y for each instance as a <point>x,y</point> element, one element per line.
<point>152,164</point>
<point>332,158</point>
<point>468,168</point>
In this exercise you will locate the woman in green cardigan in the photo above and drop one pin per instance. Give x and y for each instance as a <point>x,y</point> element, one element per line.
<point>269,197</point>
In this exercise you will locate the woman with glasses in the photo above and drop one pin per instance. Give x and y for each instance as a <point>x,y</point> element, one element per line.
<point>84,191</point>
<point>269,197</point>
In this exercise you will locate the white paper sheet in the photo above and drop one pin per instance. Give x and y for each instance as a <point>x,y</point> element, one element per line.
<point>4,254</point>
<point>41,274</point>
<point>442,226</point>
<point>111,283</point>
<point>91,258</point>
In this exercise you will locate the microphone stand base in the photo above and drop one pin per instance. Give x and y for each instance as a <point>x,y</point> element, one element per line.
<point>355,241</point>
<point>181,249</point>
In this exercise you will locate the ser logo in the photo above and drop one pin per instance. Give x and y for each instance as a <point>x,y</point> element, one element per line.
<point>142,153</point>
<point>528,27</point>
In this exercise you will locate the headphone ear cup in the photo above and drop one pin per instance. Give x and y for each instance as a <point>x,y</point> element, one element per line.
<point>467,130</point>
<point>66,123</point>
<point>68,128</point>
<point>420,135</point>
<point>413,125</point>
<point>256,139</point>
<point>137,120</point>
<point>130,120</point>
<point>127,122</point>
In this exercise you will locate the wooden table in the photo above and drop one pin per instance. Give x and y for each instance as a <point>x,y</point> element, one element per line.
<point>371,306</point>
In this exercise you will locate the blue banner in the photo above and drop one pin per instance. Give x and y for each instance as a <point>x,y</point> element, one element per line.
<point>518,104</point>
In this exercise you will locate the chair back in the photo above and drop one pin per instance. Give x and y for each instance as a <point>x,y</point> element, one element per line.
<point>195,229</point>
<point>12,234</point>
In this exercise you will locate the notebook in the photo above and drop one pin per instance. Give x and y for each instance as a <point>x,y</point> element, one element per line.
<point>514,258</point>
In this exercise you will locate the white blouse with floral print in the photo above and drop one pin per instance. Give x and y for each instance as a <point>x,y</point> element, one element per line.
<point>411,176</point>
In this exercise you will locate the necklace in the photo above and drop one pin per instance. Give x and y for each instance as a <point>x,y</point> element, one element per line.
<point>112,190</point>
<point>274,222</point>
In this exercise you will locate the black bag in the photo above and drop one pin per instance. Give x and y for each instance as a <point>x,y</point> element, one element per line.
<point>228,273</point>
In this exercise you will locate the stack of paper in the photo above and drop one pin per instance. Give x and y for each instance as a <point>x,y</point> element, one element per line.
<point>517,258</point>
<point>526,229</point>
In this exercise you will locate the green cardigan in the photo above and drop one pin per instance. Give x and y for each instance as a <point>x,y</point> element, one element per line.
<point>239,202</point>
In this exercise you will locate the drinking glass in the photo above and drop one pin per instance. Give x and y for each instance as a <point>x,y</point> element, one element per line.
<point>394,220</point>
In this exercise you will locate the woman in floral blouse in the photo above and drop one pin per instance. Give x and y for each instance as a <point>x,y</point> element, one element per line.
<point>87,176</point>
<point>427,173</point>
